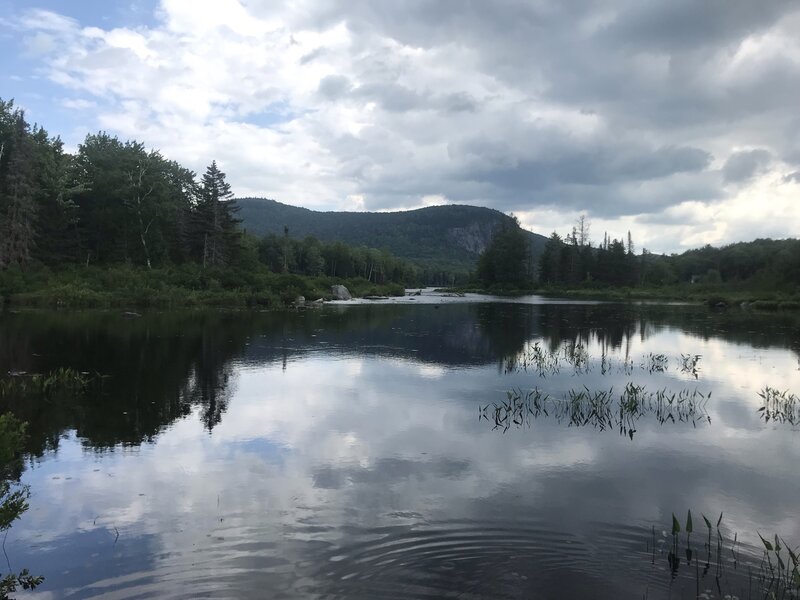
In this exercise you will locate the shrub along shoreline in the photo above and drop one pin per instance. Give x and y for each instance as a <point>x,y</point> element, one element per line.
<point>182,286</point>
<point>717,296</point>
<point>190,285</point>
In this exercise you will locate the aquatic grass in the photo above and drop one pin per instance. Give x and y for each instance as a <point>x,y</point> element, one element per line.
<point>783,574</point>
<point>776,576</point>
<point>601,409</point>
<point>655,363</point>
<point>632,397</point>
<point>516,409</point>
<point>779,406</point>
<point>689,364</point>
<point>542,361</point>
<point>59,381</point>
<point>575,356</point>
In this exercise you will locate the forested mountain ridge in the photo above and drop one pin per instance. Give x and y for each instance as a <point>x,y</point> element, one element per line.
<point>451,237</point>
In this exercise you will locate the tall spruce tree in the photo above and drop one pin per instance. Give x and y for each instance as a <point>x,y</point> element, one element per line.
<point>506,261</point>
<point>215,217</point>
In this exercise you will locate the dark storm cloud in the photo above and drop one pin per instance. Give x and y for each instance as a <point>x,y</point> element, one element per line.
<point>650,72</point>
<point>742,166</point>
<point>682,25</point>
<point>600,164</point>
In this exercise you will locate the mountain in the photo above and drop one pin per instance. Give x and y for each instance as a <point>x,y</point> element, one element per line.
<point>447,238</point>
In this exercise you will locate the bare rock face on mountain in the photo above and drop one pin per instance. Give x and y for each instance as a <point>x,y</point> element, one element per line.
<point>340,292</point>
<point>474,237</point>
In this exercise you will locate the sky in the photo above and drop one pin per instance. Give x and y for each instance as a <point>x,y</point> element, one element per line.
<point>675,120</point>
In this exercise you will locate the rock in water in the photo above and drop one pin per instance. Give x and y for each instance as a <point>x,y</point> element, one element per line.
<point>340,292</point>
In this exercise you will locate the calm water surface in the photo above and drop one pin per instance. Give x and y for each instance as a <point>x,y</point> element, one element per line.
<point>366,451</point>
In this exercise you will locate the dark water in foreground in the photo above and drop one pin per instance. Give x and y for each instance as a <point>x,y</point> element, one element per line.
<point>365,451</point>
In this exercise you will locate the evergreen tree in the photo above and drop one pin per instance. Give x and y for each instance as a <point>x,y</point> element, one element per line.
<point>506,262</point>
<point>550,261</point>
<point>216,224</point>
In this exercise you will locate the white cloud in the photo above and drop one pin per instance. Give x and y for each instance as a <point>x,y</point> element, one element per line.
<point>356,107</point>
<point>78,104</point>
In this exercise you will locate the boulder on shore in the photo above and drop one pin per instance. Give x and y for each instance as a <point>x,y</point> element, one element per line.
<point>340,292</point>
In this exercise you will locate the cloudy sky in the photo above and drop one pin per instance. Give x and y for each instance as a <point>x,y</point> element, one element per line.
<point>676,120</point>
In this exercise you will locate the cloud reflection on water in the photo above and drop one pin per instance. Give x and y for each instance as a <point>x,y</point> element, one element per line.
<point>313,459</point>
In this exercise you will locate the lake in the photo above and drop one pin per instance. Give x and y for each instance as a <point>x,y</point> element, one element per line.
<point>465,449</point>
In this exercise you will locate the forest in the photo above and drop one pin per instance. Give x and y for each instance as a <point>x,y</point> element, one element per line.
<point>116,222</point>
<point>763,269</point>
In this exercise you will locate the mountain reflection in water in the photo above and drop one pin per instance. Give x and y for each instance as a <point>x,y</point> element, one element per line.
<point>337,452</point>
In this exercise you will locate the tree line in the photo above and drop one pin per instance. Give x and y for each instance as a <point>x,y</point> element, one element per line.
<point>116,202</point>
<point>574,261</point>
<point>312,257</point>
<point>760,264</point>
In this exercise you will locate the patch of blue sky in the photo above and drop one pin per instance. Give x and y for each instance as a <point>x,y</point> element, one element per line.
<point>90,13</point>
<point>59,110</point>
<point>273,116</point>
<point>23,78</point>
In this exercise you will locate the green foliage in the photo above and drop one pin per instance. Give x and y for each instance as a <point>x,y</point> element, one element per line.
<point>62,380</point>
<point>215,229</point>
<point>11,583</point>
<point>177,286</point>
<point>507,262</point>
<point>13,498</point>
<point>567,262</point>
<point>112,202</point>
<point>131,205</point>
<point>121,226</point>
<point>770,268</point>
<point>115,203</point>
<point>314,258</point>
<point>12,436</point>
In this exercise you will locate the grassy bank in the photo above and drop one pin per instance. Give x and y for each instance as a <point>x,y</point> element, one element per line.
<point>709,294</point>
<point>172,287</point>
<point>712,295</point>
